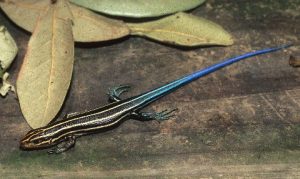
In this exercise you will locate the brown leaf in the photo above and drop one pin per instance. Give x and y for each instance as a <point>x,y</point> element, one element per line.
<point>46,72</point>
<point>24,13</point>
<point>87,26</point>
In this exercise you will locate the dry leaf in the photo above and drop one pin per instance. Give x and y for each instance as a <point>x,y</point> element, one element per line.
<point>139,8</point>
<point>91,27</point>
<point>24,13</point>
<point>183,29</point>
<point>6,86</point>
<point>87,26</point>
<point>8,51</point>
<point>46,72</point>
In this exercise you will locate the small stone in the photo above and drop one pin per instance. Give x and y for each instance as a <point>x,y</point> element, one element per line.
<point>295,60</point>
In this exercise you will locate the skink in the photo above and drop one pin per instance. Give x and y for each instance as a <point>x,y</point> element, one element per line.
<point>61,135</point>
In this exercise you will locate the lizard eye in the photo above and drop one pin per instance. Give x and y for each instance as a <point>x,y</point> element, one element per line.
<point>35,141</point>
<point>38,141</point>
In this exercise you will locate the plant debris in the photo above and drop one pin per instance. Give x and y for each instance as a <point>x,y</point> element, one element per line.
<point>8,52</point>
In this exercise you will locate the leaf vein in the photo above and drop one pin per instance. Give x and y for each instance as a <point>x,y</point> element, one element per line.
<point>52,57</point>
<point>137,29</point>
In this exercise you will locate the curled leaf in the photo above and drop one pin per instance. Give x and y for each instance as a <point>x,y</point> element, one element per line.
<point>8,51</point>
<point>87,26</point>
<point>183,29</point>
<point>6,86</point>
<point>46,72</point>
<point>139,8</point>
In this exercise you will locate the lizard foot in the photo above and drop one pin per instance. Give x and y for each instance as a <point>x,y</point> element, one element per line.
<point>160,116</point>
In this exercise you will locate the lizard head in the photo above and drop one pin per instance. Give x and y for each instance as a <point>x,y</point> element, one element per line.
<point>35,139</point>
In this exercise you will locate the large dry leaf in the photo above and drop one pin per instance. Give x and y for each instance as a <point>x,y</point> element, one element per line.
<point>87,26</point>
<point>183,29</point>
<point>24,13</point>
<point>91,27</point>
<point>139,8</point>
<point>46,72</point>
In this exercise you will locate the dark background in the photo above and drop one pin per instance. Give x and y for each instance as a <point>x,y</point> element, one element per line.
<point>240,121</point>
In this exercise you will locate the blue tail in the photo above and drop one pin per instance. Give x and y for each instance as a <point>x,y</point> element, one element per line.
<point>229,61</point>
<point>161,91</point>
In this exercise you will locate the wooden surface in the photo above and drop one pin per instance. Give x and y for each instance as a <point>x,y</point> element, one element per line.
<point>242,121</point>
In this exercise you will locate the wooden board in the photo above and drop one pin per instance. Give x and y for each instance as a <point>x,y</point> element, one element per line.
<point>242,121</point>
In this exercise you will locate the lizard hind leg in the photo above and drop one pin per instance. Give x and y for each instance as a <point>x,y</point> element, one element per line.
<point>115,92</point>
<point>159,116</point>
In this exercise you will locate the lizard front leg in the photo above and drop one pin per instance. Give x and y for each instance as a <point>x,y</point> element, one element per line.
<point>64,146</point>
<point>115,92</point>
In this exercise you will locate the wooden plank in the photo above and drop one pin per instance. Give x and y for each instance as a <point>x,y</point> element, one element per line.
<point>242,134</point>
<point>243,121</point>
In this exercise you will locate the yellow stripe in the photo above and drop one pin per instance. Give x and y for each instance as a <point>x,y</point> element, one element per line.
<point>87,129</point>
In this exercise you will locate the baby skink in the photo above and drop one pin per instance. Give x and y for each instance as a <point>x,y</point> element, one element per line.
<point>61,135</point>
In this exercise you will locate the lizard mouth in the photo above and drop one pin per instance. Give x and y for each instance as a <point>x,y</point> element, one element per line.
<point>28,145</point>
<point>24,145</point>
